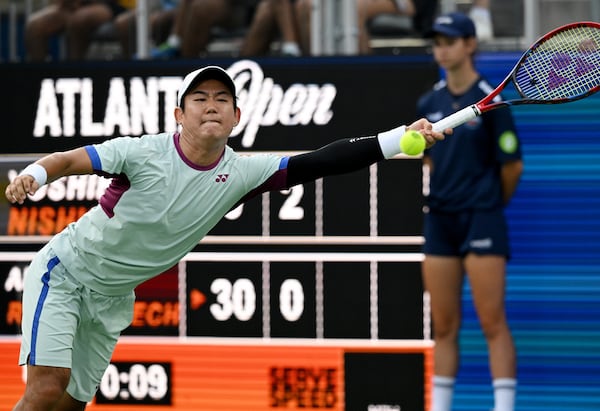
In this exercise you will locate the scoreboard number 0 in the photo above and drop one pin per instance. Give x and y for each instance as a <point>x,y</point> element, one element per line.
<point>238,299</point>
<point>291,299</point>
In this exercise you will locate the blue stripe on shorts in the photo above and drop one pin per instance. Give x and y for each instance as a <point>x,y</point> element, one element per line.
<point>38,309</point>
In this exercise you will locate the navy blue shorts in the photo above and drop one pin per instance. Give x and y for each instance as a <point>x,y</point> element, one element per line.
<point>457,234</point>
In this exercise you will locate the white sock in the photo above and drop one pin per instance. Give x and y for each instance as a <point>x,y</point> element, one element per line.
<point>290,48</point>
<point>504,394</point>
<point>443,390</point>
<point>174,41</point>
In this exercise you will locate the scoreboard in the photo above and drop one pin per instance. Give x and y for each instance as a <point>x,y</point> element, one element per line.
<point>304,298</point>
<point>345,306</point>
<point>301,265</point>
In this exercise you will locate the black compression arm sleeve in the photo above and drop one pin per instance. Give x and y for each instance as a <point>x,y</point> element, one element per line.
<point>339,157</point>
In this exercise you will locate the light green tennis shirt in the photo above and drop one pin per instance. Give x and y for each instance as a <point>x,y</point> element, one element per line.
<point>157,208</point>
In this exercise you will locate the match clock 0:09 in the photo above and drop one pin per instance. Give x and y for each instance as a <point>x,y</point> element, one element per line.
<point>135,383</point>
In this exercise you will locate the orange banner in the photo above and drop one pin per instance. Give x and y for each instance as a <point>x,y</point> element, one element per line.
<point>232,374</point>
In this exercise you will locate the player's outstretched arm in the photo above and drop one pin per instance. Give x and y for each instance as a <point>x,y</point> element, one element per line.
<point>48,169</point>
<point>347,155</point>
<point>424,127</point>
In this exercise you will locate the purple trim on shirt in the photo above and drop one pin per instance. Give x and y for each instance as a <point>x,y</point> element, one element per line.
<point>190,163</point>
<point>113,194</point>
<point>278,181</point>
<point>119,184</point>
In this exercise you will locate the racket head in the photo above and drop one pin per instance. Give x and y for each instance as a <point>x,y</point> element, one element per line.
<point>561,66</point>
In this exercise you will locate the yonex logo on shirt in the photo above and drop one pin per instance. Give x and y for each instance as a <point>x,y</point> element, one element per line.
<point>221,178</point>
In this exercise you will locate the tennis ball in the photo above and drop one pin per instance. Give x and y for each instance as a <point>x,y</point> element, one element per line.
<point>412,143</point>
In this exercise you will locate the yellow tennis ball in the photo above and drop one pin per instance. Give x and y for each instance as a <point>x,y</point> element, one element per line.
<point>412,143</point>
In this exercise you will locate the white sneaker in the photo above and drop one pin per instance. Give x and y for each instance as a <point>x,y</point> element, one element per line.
<point>290,49</point>
<point>483,23</point>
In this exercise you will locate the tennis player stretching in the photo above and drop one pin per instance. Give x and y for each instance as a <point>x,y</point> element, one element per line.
<point>164,197</point>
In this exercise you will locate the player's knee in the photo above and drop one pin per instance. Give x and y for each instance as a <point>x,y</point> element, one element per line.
<point>209,9</point>
<point>46,384</point>
<point>446,330</point>
<point>36,29</point>
<point>493,326</point>
<point>42,396</point>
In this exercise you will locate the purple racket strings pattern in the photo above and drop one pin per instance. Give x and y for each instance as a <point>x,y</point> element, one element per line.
<point>563,65</point>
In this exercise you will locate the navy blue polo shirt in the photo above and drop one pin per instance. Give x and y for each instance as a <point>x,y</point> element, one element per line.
<point>466,165</point>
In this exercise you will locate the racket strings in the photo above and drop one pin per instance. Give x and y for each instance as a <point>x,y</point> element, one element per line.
<point>565,65</point>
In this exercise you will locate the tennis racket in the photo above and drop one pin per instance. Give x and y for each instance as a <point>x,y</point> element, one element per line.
<point>562,66</point>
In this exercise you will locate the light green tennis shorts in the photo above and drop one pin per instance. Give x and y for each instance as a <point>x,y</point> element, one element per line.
<point>65,324</point>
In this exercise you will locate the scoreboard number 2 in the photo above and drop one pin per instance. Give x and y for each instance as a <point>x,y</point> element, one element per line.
<point>290,209</point>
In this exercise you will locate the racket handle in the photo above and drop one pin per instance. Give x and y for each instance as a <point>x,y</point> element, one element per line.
<point>456,119</point>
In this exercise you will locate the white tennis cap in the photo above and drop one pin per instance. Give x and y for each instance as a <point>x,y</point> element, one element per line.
<point>205,73</point>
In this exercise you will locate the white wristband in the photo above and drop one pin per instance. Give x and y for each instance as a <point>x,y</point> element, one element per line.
<point>36,171</point>
<point>389,141</point>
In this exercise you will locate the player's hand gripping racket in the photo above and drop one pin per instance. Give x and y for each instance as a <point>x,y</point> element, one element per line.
<point>562,66</point>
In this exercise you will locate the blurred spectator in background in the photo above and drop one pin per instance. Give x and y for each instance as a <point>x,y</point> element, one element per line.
<point>481,16</point>
<point>272,18</point>
<point>161,18</point>
<point>194,22</point>
<point>367,9</point>
<point>77,19</point>
<point>424,15</point>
